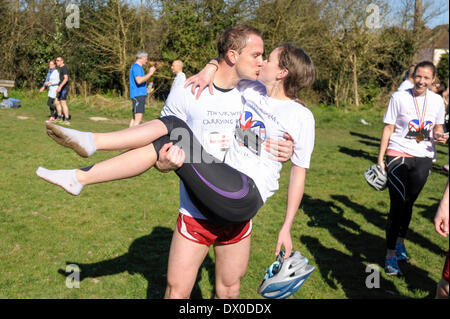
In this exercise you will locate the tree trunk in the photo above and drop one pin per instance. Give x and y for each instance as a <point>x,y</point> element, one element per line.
<point>122,50</point>
<point>141,26</point>
<point>124,84</point>
<point>418,23</point>
<point>355,79</point>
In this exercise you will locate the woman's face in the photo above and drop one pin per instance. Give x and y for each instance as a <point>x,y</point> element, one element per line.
<point>422,80</point>
<point>435,87</point>
<point>51,65</point>
<point>270,68</point>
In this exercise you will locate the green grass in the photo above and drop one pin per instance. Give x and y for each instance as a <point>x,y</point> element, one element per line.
<point>119,233</point>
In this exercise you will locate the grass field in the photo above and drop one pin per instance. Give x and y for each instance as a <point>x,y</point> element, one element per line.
<point>119,233</point>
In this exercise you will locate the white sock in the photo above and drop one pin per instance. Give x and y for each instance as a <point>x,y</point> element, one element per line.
<point>81,142</point>
<point>62,177</point>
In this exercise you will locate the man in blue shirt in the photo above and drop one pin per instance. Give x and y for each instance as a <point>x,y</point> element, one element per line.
<point>138,88</point>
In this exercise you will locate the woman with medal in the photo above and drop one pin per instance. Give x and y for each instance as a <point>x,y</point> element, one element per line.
<point>413,122</point>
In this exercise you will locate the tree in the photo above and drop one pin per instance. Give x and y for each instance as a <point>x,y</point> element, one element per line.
<point>442,69</point>
<point>351,48</point>
<point>108,32</point>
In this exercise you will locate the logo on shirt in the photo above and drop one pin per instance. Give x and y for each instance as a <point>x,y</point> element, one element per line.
<point>414,128</point>
<point>250,133</point>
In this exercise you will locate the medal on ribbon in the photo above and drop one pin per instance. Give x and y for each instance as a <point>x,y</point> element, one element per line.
<point>420,136</point>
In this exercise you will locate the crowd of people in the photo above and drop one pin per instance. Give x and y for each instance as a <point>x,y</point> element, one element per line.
<point>227,145</point>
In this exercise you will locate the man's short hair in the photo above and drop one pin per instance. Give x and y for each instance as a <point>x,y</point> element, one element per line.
<point>141,54</point>
<point>235,38</point>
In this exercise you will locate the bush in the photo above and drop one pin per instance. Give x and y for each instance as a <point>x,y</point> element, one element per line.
<point>442,69</point>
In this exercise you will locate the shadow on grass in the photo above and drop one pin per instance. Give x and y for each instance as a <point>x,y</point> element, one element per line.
<point>378,219</point>
<point>371,142</point>
<point>438,170</point>
<point>368,137</point>
<point>429,212</point>
<point>147,256</point>
<point>358,153</point>
<point>346,267</point>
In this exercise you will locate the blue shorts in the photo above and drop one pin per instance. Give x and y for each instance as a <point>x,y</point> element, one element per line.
<point>62,95</point>
<point>138,104</point>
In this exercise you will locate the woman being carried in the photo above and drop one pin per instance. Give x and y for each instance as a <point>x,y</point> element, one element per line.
<point>230,191</point>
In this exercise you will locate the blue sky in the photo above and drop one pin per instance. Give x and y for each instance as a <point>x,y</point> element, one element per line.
<point>395,4</point>
<point>435,4</point>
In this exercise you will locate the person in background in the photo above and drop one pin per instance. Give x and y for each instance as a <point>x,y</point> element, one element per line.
<point>413,122</point>
<point>439,88</point>
<point>62,91</point>
<point>441,227</point>
<point>138,89</point>
<point>180,77</point>
<point>408,82</point>
<point>51,82</point>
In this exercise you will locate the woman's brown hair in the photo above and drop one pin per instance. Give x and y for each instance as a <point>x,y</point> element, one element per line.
<point>301,71</point>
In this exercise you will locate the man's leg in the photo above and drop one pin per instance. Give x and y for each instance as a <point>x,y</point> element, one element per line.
<point>137,119</point>
<point>58,108</point>
<point>185,259</point>
<point>65,109</point>
<point>138,110</point>
<point>442,289</point>
<point>231,266</point>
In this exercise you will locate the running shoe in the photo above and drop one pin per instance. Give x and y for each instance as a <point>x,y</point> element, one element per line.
<point>391,267</point>
<point>445,168</point>
<point>401,252</point>
<point>51,119</point>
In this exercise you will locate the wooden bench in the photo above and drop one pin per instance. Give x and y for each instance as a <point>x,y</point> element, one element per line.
<point>7,83</point>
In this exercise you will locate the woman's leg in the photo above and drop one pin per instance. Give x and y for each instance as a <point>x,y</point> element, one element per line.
<point>132,137</point>
<point>417,177</point>
<point>397,179</point>
<point>86,143</point>
<point>52,107</point>
<point>219,191</point>
<point>125,165</point>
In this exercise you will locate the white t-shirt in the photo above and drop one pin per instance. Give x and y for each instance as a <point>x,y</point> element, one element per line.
<point>54,82</point>
<point>262,118</point>
<point>179,80</point>
<point>212,119</point>
<point>402,112</point>
<point>405,85</point>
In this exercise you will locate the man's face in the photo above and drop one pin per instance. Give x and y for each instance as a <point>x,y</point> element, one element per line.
<point>59,62</point>
<point>175,67</point>
<point>250,61</point>
<point>422,80</point>
<point>143,60</point>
